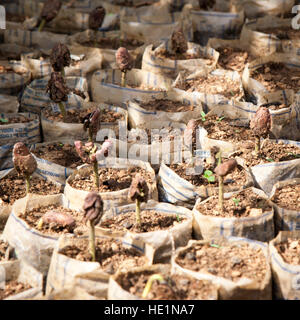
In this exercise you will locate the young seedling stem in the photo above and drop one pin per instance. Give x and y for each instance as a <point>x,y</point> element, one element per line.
<point>221,194</point>
<point>90,135</point>
<point>92,240</point>
<point>124,62</point>
<point>96,174</point>
<point>150,282</point>
<point>138,212</point>
<point>257,145</point>
<point>58,91</point>
<point>221,191</point>
<point>49,11</point>
<point>27,179</point>
<point>42,24</point>
<point>62,109</point>
<point>138,192</point>
<point>93,212</point>
<point>91,124</point>
<point>260,126</point>
<point>222,170</point>
<point>24,163</point>
<point>123,79</point>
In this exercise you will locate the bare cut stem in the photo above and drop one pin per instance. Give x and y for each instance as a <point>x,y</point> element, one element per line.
<point>27,180</point>
<point>221,191</point>
<point>257,144</point>
<point>90,135</point>
<point>123,79</point>
<point>92,240</point>
<point>96,174</point>
<point>62,109</point>
<point>95,39</point>
<point>42,24</point>
<point>221,194</point>
<point>138,212</point>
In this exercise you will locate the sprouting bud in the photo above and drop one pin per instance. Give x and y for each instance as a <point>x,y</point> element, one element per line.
<point>178,42</point>
<point>138,189</point>
<point>60,57</point>
<point>226,167</point>
<point>50,9</point>
<point>24,162</point>
<point>87,151</point>
<point>261,122</point>
<point>92,121</point>
<point>124,59</point>
<point>57,88</point>
<point>96,18</point>
<point>93,208</point>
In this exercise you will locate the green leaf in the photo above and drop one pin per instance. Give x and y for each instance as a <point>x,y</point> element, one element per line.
<point>207,173</point>
<point>211,179</point>
<point>215,245</point>
<point>203,116</point>
<point>236,201</point>
<point>3,120</point>
<point>178,218</point>
<point>209,176</point>
<point>220,119</point>
<point>270,160</point>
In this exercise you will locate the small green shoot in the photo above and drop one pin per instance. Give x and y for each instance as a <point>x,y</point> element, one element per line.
<point>178,218</point>
<point>220,119</point>
<point>215,245</point>
<point>236,201</point>
<point>148,286</point>
<point>203,116</point>
<point>209,176</point>
<point>3,120</point>
<point>270,160</point>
